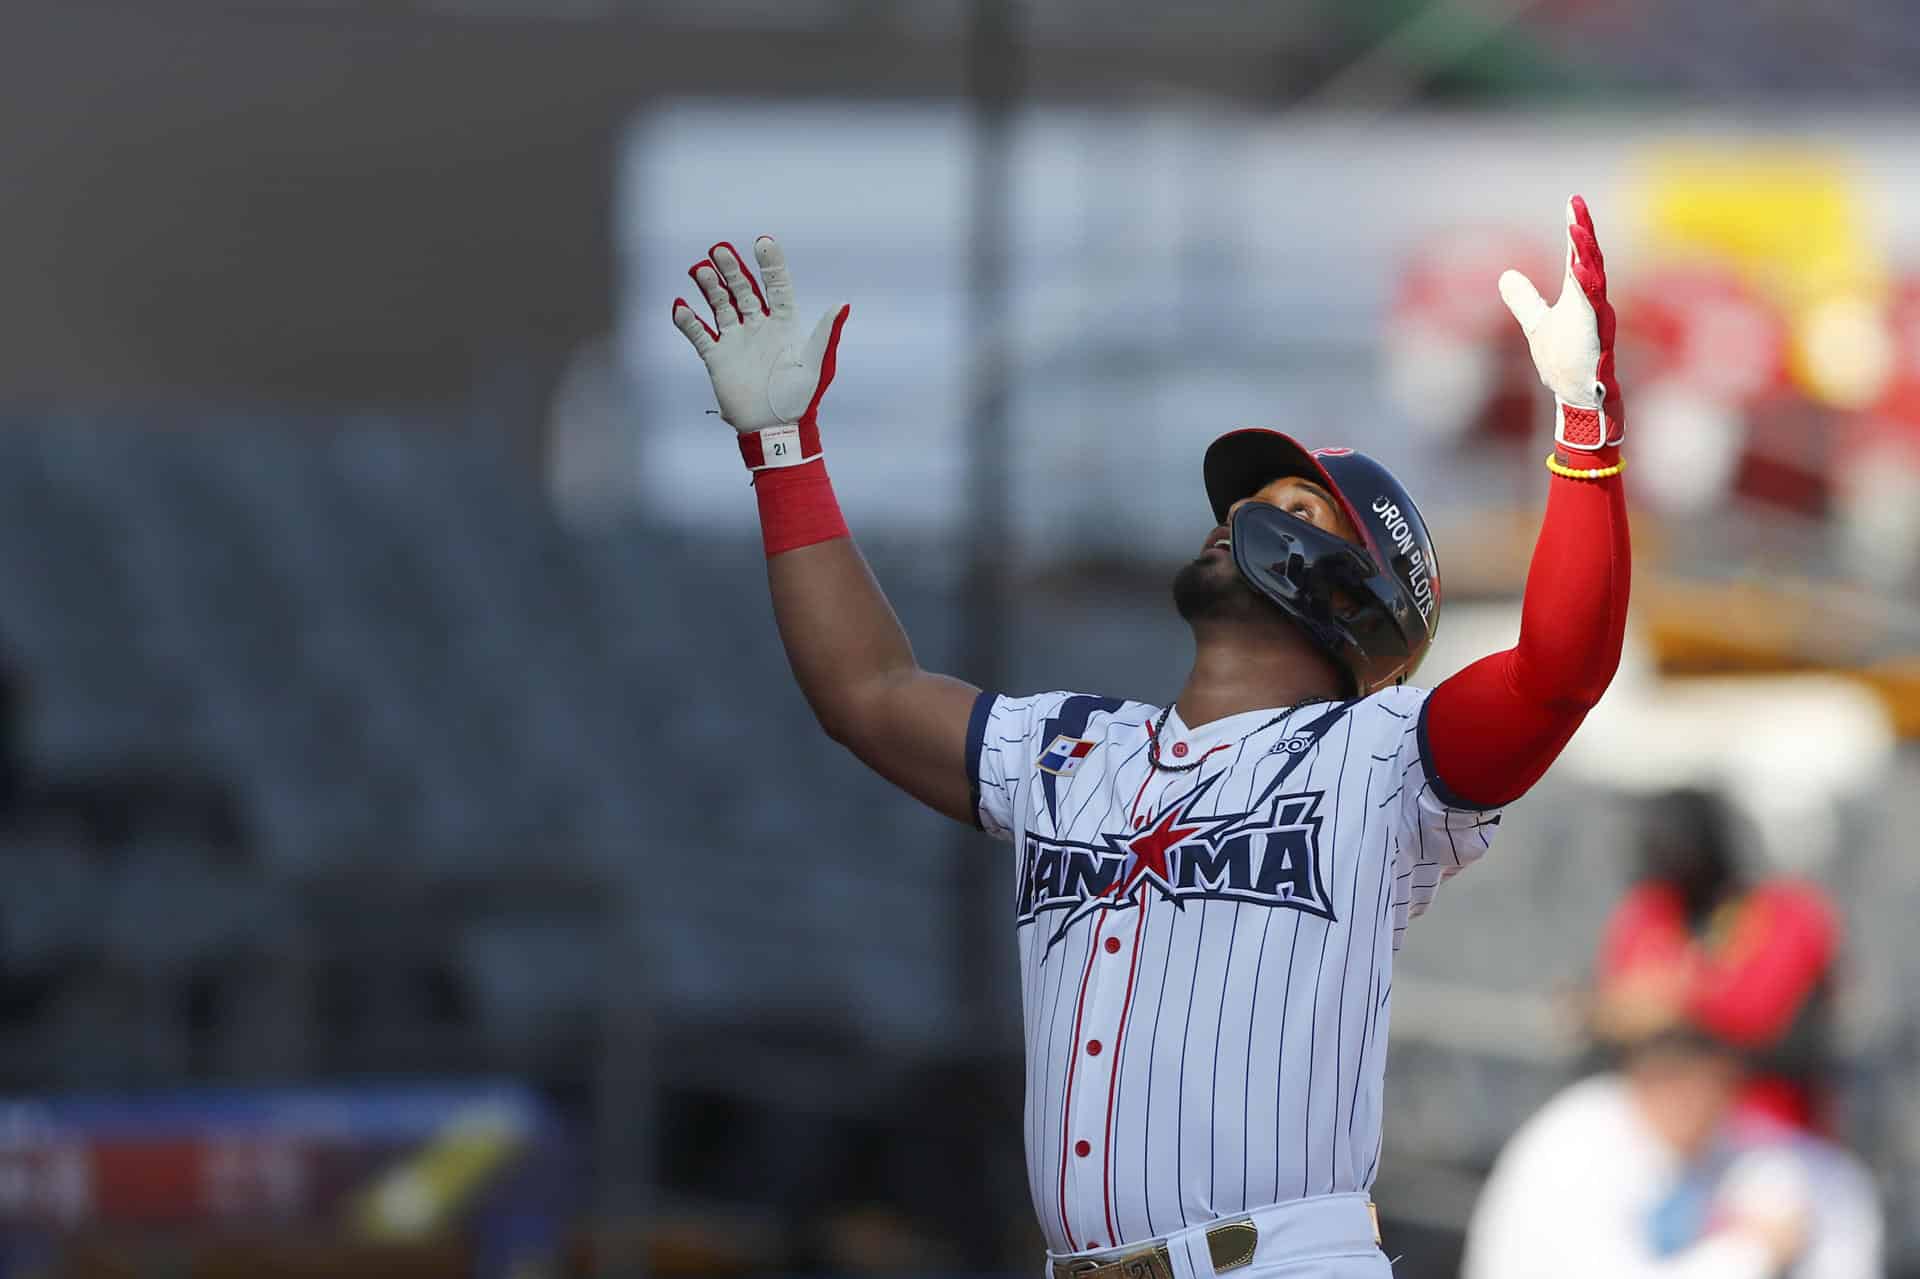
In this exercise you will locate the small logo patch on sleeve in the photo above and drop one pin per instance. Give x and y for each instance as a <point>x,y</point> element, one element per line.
<point>1064,755</point>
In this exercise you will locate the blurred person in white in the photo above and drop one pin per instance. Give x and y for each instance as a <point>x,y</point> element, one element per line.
<point>1647,1173</point>
<point>1209,893</point>
<point>1703,1156</point>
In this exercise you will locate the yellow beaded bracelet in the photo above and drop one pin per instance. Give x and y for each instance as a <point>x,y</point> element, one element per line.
<point>1591,473</point>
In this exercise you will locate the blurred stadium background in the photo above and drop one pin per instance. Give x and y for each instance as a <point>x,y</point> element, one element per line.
<point>416,857</point>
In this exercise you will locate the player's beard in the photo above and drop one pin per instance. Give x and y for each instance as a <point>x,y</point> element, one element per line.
<point>1210,589</point>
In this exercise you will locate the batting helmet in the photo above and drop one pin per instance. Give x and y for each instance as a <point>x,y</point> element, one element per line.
<point>1373,607</point>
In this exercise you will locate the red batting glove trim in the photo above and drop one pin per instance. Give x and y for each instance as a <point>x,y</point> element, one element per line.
<point>1589,270</point>
<point>1580,428</point>
<point>828,363</point>
<point>1615,406</point>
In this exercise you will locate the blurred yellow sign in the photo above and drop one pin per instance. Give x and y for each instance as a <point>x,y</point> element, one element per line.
<point>1788,217</point>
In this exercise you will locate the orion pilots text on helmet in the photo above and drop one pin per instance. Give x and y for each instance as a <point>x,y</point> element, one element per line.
<point>1401,534</point>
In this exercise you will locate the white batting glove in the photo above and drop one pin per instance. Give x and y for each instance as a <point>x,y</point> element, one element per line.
<point>1572,340</point>
<point>767,380</point>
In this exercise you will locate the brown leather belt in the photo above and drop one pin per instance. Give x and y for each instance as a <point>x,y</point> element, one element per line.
<point>1230,1245</point>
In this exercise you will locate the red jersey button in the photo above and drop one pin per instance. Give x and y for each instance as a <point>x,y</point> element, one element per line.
<point>1113,945</point>
<point>1083,1149</point>
<point>1093,1243</point>
<point>1093,1048</point>
<point>1179,750</point>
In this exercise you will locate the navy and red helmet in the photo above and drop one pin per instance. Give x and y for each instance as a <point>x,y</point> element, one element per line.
<point>1371,608</point>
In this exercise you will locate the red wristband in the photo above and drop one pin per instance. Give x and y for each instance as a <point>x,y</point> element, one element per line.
<point>797,505</point>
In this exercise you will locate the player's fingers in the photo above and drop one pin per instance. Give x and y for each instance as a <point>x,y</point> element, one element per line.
<point>1586,250</point>
<point>1585,266</point>
<point>724,316</point>
<point>1517,291</point>
<point>740,283</point>
<point>773,271</point>
<point>1578,215</point>
<point>694,327</point>
<point>1583,274</point>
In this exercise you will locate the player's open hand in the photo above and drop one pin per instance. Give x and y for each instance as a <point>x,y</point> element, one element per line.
<point>765,372</point>
<point>1572,340</point>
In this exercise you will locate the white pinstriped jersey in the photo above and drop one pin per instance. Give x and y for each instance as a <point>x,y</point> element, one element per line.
<point>1207,956</point>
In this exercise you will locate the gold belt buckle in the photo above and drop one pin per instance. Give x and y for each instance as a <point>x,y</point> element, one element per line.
<point>1076,1268</point>
<point>1231,1244</point>
<point>1146,1263</point>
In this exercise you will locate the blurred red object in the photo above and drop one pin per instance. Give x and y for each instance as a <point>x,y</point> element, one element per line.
<point>1752,978</point>
<point>1875,467</point>
<point>1718,413</point>
<point>1456,364</point>
<point>1702,325</point>
<point>1894,418</point>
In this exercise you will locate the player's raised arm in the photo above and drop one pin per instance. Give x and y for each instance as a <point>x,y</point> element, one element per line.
<point>1491,730</point>
<point>846,647</point>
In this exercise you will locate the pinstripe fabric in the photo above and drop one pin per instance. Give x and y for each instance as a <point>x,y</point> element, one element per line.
<point>1206,957</point>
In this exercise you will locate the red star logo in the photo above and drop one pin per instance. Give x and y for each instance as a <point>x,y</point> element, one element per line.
<point>1147,852</point>
<point>1149,849</point>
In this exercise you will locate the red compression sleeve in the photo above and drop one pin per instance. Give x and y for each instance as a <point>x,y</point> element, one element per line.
<point>1492,729</point>
<point>797,505</point>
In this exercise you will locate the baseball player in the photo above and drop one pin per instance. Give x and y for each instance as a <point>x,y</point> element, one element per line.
<point>1208,893</point>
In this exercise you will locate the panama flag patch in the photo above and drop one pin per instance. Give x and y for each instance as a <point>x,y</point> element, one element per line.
<point>1064,755</point>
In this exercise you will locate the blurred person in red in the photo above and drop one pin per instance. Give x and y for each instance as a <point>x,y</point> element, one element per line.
<point>1700,1156</point>
<point>1748,962</point>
